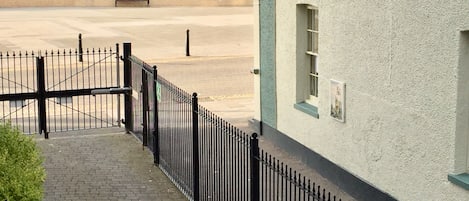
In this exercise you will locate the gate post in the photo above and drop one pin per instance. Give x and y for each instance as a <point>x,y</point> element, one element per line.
<point>129,124</point>
<point>254,159</point>
<point>41,94</point>
<point>156,140</point>
<point>195,145</point>
<point>146,106</point>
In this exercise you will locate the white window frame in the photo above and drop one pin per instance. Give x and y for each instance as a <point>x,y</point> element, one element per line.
<point>312,29</point>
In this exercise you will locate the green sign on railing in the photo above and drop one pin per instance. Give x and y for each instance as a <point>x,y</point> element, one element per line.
<point>158,91</point>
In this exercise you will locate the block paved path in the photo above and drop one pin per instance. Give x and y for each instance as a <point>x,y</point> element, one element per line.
<point>103,164</point>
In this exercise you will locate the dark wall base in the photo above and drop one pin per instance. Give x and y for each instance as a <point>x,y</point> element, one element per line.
<point>349,183</point>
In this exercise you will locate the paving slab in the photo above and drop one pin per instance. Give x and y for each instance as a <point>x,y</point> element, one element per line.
<point>102,164</point>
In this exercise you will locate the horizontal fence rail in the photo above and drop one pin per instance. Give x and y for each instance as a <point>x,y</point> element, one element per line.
<point>205,156</point>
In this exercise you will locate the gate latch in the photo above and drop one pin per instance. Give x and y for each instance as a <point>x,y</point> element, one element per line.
<point>121,90</point>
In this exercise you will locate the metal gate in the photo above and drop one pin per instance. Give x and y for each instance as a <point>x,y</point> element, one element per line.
<point>54,91</point>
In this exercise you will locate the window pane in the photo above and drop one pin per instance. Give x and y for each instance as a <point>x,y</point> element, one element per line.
<point>315,42</point>
<point>316,21</point>
<point>312,92</point>
<point>313,64</point>
<point>312,49</point>
<point>316,80</point>
<point>314,85</point>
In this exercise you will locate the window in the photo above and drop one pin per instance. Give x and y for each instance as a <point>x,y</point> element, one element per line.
<point>312,53</point>
<point>307,53</point>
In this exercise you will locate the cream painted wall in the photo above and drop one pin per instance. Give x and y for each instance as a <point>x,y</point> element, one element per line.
<point>399,60</point>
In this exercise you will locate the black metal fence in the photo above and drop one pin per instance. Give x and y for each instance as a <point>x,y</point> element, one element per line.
<point>18,76</point>
<point>175,149</point>
<point>51,91</point>
<point>280,182</point>
<point>204,155</point>
<point>75,108</point>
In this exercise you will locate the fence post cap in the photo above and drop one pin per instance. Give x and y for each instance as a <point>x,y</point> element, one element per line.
<point>254,136</point>
<point>194,95</point>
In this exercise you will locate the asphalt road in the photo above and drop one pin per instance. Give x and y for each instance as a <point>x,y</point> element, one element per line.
<point>221,45</point>
<point>156,33</point>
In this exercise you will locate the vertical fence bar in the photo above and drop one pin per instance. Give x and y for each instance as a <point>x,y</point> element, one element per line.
<point>41,90</point>
<point>254,158</point>
<point>195,145</point>
<point>94,86</point>
<point>145,106</point>
<point>118,84</point>
<point>156,147</point>
<point>127,83</point>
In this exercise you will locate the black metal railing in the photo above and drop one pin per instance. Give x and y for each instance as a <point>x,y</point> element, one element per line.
<point>74,108</point>
<point>224,158</point>
<point>280,182</point>
<point>50,91</point>
<point>205,156</point>
<point>175,134</point>
<point>18,78</point>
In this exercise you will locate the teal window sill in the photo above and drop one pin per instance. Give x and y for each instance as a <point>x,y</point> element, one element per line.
<point>308,109</point>
<point>461,180</point>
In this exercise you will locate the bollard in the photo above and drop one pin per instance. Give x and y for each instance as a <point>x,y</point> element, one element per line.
<point>187,43</point>
<point>80,48</point>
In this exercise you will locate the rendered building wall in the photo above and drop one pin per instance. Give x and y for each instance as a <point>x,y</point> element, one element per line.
<point>400,61</point>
